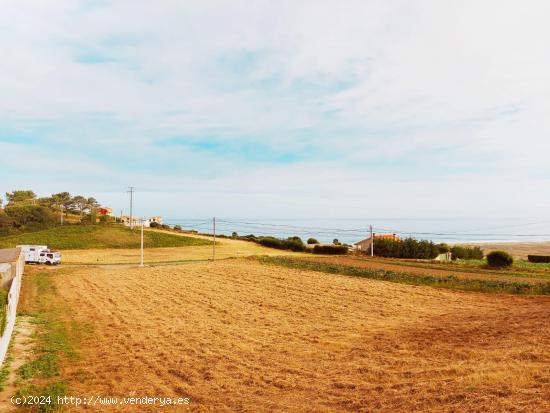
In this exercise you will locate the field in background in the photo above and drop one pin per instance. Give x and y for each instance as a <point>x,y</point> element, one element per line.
<point>99,236</point>
<point>519,250</point>
<point>225,248</point>
<point>236,335</point>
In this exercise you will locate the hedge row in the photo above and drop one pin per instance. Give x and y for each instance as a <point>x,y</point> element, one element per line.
<point>466,253</point>
<point>291,243</point>
<point>330,249</point>
<point>539,258</point>
<point>407,248</point>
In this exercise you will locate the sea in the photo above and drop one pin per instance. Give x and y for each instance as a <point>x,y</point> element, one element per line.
<point>350,230</point>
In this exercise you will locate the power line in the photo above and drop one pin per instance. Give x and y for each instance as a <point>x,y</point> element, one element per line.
<point>277,229</point>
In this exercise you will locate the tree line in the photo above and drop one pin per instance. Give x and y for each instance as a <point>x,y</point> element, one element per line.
<point>25,210</point>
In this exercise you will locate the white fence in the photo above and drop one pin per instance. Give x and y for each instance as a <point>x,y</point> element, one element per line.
<point>11,312</point>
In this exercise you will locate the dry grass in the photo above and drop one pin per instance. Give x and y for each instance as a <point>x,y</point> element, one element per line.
<point>237,335</point>
<point>225,248</point>
<point>519,250</point>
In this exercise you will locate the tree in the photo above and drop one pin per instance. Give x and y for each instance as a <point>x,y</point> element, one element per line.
<point>61,199</point>
<point>81,203</point>
<point>46,201</point>
<point>312,241</point>
<point>25,214</point>
<point>335,241</point>
<point>91,203</point>
<point>20,196</point>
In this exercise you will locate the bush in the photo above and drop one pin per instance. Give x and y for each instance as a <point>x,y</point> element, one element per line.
<point>291,243</point>
<point>539,258</point>
<point>234,234</point>
<point>312,241</point>
<point>177,227</point>
<point>335,241</point>
<point>443,248</point>
<point>330,249</point>
<point>499,259</point>
<point>466,253</point>
<point>22,215</point>
<point>154,225</point>
<point>407,248</point>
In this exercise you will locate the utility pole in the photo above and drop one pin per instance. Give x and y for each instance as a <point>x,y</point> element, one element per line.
<point>214,243</point>
<point>141,221</point>
<point>131,191</point>
<point>371,242</point>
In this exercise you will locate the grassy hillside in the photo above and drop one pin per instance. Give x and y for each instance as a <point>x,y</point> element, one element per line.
<point>98,236</point>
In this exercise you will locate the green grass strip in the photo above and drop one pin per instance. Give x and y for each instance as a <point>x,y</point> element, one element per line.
<point>77,236</point>
<point>55,340</point>
<point>449,282</point>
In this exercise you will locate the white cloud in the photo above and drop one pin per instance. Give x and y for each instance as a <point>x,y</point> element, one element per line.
<point>461,86</point>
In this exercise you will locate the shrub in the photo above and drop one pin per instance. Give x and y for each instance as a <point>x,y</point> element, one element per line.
<point>234,234</point>
<point>154,225</point>
<point>312,241</point>
<point>499,259</point>
<point>539,258</point>
<point>165,226</point>
<point>443,248</point>
<point>407,248</point>
<point>466,253</point>
<point>5,221</point>
<point>330,249</point>
<point>291,243</point>
<point>177,227</point>
<point>22,215</point>
<point>335,241</point>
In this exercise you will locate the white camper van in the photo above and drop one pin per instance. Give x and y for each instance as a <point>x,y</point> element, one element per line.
<point>40,254</point>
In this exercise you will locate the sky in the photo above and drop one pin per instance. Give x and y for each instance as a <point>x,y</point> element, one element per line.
<point>280,109</point>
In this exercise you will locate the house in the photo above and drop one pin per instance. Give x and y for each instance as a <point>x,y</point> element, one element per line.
<point>105,211</point>
<point>155,219</point>
<point>136,221</point>
<point>12,263</point>
<point>364,245</point>
<point>444,257</point>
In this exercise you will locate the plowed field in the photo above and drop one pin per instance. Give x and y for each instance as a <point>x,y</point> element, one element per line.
<point>237,335</point>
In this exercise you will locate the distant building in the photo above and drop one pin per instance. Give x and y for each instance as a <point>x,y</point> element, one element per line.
<point>155,219</point>
<point>136,221</point>
<point>444,257</point>
<point>105,211</point>
<point>364,245</point>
